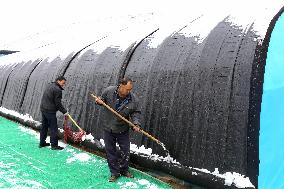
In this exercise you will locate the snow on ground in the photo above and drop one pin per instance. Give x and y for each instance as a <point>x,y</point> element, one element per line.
<point>14,180</point>
<point>37,135</point>
<point>80,157</point>
<point>128,185</point>
<point>231,178</point>
<point>83,157</point>
<point>145,183</point>
<point>23,117</point>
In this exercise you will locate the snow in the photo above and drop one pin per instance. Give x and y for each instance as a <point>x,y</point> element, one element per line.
<point>28,130</point>
<point>37,135</point>
<point>146,184</point>
<point>240,13</point>
<point>12,179</point>
<point>50,52</point>
<point>232,178</point>
<point>147,152</point>
<point>143,182</point>
<point>83,137</point>
<point>6,166</point>
<point>25,117</point>
<point>90,137</point>
<point>56,43</point>
<point>130,185</point>
<point>121,32</point>
<point>135,149</point>
<point>172,16</point>
<point>83,157</point>
<point>102,142</point>
<point>237,179</point>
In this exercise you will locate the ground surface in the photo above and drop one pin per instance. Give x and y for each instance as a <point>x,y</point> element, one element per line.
<point>24,165</point>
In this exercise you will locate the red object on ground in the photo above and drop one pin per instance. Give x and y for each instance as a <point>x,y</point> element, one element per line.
<point>77,136</point>
<point>68,133</point>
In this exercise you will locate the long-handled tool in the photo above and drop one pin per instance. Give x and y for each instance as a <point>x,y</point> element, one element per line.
<point>77,136</point>
<point>74,122</point>
<point>129,123</point>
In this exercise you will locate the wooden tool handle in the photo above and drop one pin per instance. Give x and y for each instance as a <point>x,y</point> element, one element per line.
<point>74,121</point>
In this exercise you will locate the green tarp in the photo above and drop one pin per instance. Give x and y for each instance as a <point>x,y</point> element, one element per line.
<point>24,165</point>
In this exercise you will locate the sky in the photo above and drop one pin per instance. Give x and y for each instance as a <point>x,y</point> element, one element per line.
<point>21,18</point>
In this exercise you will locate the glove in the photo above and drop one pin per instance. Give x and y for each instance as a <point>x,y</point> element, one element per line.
<point>66,114</point>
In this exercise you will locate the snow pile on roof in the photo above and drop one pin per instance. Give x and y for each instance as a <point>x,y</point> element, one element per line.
<point>62,41</point>
<point>199,18</point>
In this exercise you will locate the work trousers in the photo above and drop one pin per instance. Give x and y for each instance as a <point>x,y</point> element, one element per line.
<point>117,160</point>
<point>49,121</point>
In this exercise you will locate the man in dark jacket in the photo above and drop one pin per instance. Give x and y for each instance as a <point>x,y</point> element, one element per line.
<point>50,104</point>
<point>116,130</point>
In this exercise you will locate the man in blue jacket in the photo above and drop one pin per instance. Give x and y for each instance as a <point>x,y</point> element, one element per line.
<point>116,130</point>
<point>50,104</point>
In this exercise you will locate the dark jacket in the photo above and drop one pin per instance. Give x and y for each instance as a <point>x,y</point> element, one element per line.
<point>51,99</point>
<point>130,110</point>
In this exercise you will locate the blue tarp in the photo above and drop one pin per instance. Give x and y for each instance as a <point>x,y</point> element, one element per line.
<point>272,114</point>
